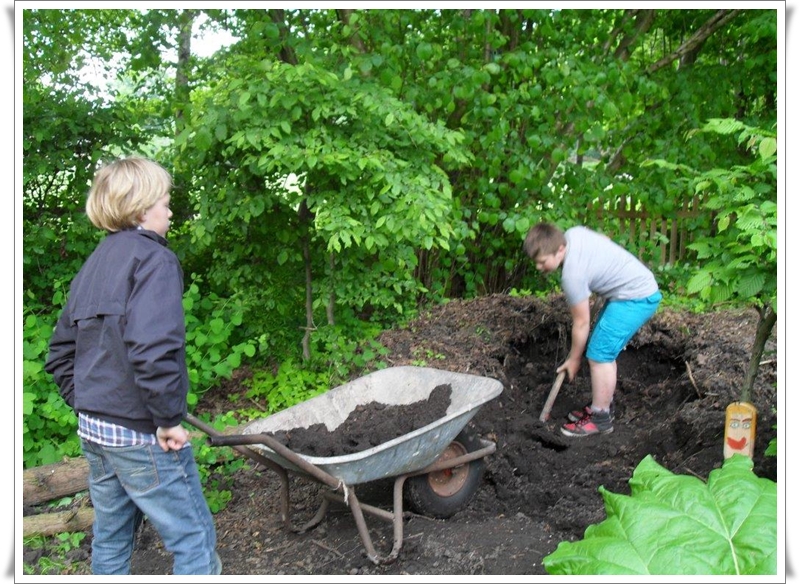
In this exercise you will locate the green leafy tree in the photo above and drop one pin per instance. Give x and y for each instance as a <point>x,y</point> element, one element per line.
<point>71,122</point>
<point>558,107</point>
<point>370,187</point>
<point>738,259</point>
<point>68,126</point>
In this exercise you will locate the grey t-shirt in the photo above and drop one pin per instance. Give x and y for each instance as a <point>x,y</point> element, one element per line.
<point>593,263</point>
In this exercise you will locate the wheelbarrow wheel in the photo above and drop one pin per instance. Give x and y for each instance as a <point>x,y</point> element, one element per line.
<point>441,494</point>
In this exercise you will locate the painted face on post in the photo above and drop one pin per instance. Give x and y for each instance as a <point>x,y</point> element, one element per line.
<point>740,429</point>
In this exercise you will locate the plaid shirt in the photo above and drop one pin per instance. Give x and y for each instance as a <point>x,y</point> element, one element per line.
<point>108,434</point>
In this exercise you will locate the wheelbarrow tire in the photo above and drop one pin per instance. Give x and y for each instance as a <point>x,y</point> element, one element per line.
<point>442,494</point>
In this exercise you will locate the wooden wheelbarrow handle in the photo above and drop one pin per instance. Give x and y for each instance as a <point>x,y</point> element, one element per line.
<point>548,405</point>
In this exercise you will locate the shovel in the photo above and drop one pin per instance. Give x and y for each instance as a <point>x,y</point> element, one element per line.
<point>540,430</point>
<point>548,405</point>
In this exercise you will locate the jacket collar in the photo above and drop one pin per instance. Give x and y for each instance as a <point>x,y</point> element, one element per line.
<point>148,234</point>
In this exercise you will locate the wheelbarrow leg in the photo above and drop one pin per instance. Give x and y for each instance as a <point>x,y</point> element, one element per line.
<point>398,517</point>
<point>358,509</point>
<point>363,532</point>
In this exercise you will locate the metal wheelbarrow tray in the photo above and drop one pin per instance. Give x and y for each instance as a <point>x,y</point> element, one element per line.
<point>436,457</point>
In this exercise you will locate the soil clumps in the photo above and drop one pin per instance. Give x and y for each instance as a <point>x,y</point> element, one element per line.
<point>367,426</point>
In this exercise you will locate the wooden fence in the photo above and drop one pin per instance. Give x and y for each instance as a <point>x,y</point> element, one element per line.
<point>657,239</point>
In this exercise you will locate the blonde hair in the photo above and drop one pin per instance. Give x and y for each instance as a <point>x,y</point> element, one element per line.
<point>543,239</point>
<point>123,190</point>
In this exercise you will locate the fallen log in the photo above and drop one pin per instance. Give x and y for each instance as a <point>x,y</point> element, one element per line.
<point>47,524</point>
<point>61,479</point>
<point>53,481</point>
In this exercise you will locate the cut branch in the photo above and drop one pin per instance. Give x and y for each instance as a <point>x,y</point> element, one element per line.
<point>53,481</point>
<point>692,45</point>
<point>48,524</point>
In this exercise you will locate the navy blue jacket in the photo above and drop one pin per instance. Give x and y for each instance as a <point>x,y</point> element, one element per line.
<point>118,350</point>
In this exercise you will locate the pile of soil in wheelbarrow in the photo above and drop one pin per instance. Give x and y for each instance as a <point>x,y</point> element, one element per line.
<point>367,426</point>
<point>675,380</point>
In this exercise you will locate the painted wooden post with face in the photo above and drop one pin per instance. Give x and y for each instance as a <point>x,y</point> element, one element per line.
<point>740,429</point>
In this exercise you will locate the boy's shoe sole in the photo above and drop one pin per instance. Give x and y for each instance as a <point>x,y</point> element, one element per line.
<point>582,434</point>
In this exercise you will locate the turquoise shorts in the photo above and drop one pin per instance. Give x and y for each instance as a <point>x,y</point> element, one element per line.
<point>618,322</point>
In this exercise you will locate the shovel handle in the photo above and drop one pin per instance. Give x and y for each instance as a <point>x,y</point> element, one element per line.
<point>548,405</point>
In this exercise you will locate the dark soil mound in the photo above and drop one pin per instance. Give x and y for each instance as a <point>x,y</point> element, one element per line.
<point>675,380</point>
<point>367,426</point>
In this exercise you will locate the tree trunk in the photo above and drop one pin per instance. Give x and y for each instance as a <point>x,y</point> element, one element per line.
<point>286,53</point>
<point>330,308</point>
<point>643,22</point>
<point>52,481</point>
<point>182,112</point>
<point>182,88</point>
<point>766,321</point>
<point>48,524</point>
<point>344,15</point>
<point>304,215</point>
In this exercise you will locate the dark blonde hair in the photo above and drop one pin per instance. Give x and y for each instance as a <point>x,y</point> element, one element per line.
<point>123,190</point>
<point>543,239</point>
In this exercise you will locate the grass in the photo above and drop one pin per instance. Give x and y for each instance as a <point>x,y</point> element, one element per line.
<point>56,558</point>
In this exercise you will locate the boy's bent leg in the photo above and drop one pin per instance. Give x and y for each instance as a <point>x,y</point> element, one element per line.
<point>604,382</point>
<point>116,516</point>
<point>618,322</point>
<point>176,507</point>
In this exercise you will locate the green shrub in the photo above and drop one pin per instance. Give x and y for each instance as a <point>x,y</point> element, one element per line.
<point>48,423</point>
<point>292,384</point>
<point>211,355</point>
<point>217,465</point>
<point>346,351</point>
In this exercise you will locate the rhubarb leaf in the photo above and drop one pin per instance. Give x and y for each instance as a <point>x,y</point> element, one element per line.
<point>677,524</point>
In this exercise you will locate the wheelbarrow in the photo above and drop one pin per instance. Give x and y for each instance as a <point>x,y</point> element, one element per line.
<point>440,464</point>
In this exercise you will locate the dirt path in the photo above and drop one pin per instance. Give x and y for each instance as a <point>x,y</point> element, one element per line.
<point>675,380</point>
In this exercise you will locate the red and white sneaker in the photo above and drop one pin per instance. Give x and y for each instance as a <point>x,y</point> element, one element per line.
<point>590,423</point>
<point>576,415</point>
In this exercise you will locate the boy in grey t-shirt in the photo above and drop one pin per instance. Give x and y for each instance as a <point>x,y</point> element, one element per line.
<point>591,263</point>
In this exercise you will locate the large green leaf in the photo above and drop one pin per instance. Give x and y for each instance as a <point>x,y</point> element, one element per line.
<point>675,524</point>
<point>699,281</point>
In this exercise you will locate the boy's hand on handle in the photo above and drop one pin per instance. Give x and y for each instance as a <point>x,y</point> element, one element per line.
<point>571,366</point>
<point>172,438</point>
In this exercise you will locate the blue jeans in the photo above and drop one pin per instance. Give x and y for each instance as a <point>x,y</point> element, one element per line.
<point>127,483</point>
